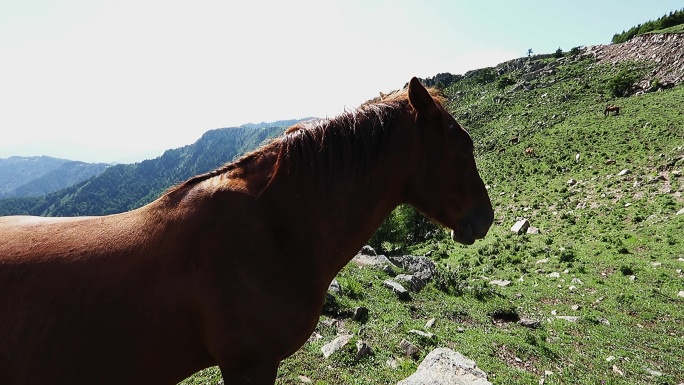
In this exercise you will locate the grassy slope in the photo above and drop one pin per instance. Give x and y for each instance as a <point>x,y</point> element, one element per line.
<point>602,230</point>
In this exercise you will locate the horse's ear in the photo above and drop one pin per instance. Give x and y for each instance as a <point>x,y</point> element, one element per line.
<point>421,100</point>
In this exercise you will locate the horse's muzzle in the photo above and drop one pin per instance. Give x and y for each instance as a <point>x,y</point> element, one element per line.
<point>474,226</point>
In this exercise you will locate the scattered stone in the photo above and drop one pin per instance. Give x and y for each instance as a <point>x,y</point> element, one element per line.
<point>577,281</point>
<point>652,372</point>
<point>555,274</point>
<point>610,358</point>
<point>314,337</point>
<point>680,212</point>
<point>304,379</point>
<point>396,287</point>
<point>460,329</point>
<point>368,250</point>
<point>520,226</point>
<point>334,287</point>
<point>415,284</point>
<point>656,264</point>
<point>499,282</point>
<point>618,371</point>
<point>388,269</point>
<point>367,256</point>
<point>445,366</point>
<point>338,343</point>
<point>422,334</point>
<point>541,261</point>
<point>421,267</point>
<point>604,321</point>
<point>576,307</point>
<point>625,172</point>
<point>657,179</point>
<point>571,182</point>
<point>329,322</point>
<point>610,161</point>
<point>680,294</point>
<point>632,278</point>
<point>360,313</point>
<point>569,318</point>
<point>529,323</point>
<point>533,230</point>
<point>430,323</point>
<point>408,348</point>
<point>362,349</point>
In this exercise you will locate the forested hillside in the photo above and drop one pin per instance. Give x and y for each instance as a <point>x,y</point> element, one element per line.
<point>127,186</point>
<point>666,23</point>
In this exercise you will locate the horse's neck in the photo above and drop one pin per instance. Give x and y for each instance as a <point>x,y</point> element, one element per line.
<point>341,216</point>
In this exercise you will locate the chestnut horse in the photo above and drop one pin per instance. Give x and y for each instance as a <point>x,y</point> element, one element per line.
<point>231,267</point>
<point>609,109</point>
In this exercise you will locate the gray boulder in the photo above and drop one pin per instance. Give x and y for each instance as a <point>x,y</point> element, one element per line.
<point>421,267</point>
<point>444,366</point>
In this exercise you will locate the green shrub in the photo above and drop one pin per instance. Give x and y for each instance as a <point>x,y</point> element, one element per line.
<point>484,75</point>
<point>622,83</point>
<point>558,54</point>
<point>448,280</point>
<point>504,81</point>
<point>404,227</point>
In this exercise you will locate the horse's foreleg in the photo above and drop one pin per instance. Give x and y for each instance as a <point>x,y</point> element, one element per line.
<point>261,374</point>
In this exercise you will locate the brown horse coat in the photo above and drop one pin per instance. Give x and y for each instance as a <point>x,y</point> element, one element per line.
<point>231,267</point>
<point>609,109</point>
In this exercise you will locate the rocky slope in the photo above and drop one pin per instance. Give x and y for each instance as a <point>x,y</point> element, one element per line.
<point>665,51</point>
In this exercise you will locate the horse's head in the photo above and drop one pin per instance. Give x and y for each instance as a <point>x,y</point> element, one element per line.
<point>446,186</point>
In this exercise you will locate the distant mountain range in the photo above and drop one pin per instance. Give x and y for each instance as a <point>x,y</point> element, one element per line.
<point>123,187</point>
<point>40,175</point>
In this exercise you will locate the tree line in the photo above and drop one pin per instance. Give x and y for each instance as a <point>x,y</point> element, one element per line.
<point>666,21</point>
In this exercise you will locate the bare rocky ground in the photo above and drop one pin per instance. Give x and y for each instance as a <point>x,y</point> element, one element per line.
<point>665,51</point>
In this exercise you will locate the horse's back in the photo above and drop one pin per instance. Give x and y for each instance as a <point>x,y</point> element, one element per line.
<point>89,290</point>
<point>24,236</point>
<point>23,220</point>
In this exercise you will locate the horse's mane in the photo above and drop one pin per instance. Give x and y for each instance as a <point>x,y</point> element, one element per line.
<point>330,147</point>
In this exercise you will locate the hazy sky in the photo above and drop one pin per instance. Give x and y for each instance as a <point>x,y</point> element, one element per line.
<point>124,80</point>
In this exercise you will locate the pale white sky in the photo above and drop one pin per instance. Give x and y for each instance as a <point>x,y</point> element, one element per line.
<point>124,80</point>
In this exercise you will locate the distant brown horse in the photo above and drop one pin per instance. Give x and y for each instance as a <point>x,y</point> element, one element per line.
<point>609,109</point>
<point>231,267</point>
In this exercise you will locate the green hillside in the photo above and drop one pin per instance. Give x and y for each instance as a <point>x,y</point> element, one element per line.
<point>601,281</point>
